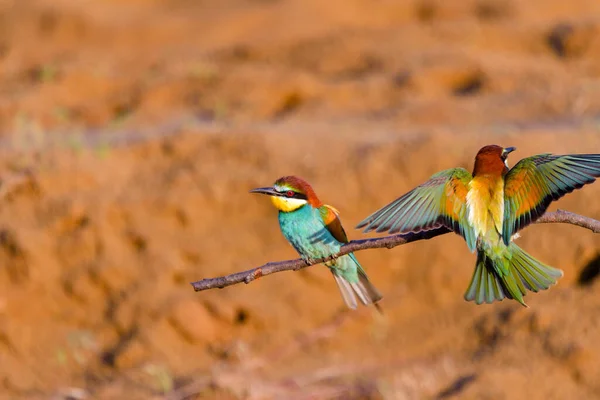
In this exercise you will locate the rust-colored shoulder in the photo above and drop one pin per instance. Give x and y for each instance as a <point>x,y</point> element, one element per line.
<point>333,223</point>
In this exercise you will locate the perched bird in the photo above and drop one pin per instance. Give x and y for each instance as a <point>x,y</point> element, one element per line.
<point>487,208</point>
<point>315,231</point>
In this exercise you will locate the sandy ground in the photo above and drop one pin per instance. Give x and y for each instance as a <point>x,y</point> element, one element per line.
<point>131,132</point>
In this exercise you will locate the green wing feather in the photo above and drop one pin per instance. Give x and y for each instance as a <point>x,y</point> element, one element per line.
<point>439,202</point>
<point>534,182</point>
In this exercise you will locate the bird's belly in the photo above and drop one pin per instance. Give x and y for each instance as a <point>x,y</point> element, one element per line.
<point>308,235</point>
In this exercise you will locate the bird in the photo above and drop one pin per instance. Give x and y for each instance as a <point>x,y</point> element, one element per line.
<point>488,208</point>
<point>314,229</point>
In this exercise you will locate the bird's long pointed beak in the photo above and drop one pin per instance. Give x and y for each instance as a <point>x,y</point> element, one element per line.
<point>265,190</point>
<point>508,150</point>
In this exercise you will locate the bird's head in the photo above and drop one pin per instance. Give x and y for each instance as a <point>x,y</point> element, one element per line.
<point>289,193</point>
<point>491,159</point>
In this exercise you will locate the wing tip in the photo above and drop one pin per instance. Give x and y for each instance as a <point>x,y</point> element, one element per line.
<point>361,225</point>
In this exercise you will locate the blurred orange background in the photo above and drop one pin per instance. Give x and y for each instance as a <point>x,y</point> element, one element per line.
<point>132,130</point>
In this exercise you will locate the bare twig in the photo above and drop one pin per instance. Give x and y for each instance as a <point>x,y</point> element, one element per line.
<point>566,217</point>
<point>389,242</point>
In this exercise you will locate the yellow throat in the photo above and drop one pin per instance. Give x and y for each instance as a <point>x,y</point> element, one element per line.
<point>286,204</point>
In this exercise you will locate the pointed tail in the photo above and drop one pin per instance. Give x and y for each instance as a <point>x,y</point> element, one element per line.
<point>524,273</point>
<point>359,284</point>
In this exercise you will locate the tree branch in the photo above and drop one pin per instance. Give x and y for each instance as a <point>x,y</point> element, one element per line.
<point>389,242</point>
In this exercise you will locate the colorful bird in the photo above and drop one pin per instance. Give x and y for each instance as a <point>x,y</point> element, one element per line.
<point>315,231</point>
<point>487,208</point>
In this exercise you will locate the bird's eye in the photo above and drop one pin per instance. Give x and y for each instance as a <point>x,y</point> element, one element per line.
<point>290,193</point>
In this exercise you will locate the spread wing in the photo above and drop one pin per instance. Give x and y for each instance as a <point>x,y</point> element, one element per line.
<point>439,202</point>
<point>332,222</point>
<point>534,182</point>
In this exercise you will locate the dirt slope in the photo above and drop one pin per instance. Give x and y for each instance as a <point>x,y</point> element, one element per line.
<point>133,130</point>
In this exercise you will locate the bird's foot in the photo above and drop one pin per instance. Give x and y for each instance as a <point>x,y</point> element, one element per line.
<point>330,260</point>
<point>310,261</point>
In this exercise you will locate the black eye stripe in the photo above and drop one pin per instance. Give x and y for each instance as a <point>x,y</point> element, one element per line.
<point>300,196</point>
<point>296,195</point>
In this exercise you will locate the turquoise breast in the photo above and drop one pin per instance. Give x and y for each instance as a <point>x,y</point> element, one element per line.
<point>305,230</point>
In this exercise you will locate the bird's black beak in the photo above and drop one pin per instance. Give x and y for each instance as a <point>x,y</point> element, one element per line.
<point>507,150</point>
<point>265,190</point>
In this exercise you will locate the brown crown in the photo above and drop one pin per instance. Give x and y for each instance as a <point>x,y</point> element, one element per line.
<point>301,186</point>
<point>489,161</point>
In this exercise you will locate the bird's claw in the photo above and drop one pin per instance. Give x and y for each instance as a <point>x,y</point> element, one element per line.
<point>310,261</point>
